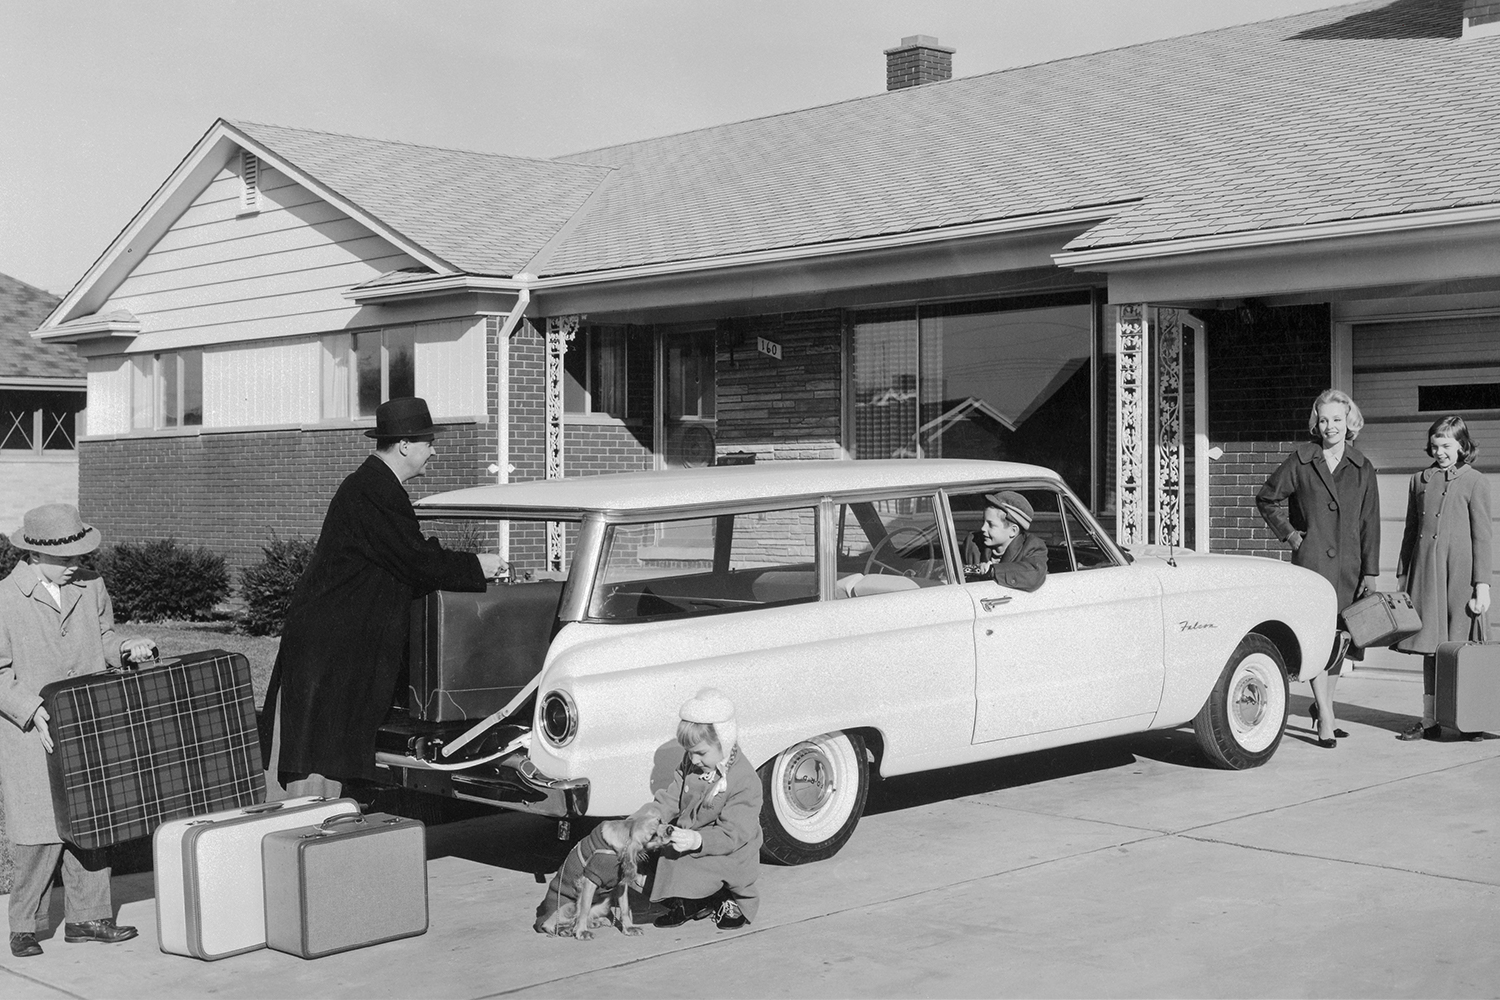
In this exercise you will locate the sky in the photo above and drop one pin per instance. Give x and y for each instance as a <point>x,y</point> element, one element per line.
<point>101,99</point>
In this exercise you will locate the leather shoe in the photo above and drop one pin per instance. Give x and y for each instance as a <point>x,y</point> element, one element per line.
<point>1328,744</point>
<point>729,916</point>
<point>680,911</point>
<point>103,930</point>
<point>23,944</point>
<point>1417,731</point>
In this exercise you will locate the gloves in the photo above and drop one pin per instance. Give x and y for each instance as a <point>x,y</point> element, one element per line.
<point>685,841</point>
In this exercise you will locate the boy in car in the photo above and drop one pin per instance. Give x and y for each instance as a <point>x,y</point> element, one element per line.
<point>1001,550</point>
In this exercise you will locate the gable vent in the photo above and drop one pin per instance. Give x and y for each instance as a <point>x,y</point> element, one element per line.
<point>249,182</point>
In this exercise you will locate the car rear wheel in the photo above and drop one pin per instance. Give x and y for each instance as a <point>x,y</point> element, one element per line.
<point>1240,725</point>
<point>815,792</point>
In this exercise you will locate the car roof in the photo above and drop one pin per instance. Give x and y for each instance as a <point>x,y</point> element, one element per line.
<point>676,488</point>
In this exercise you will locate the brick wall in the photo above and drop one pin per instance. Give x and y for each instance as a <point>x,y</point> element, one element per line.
<point>1478,12</point>
<point>914,65</point>
<point>786,409</point>
<point>231,492</point>
<point>1265,367</point>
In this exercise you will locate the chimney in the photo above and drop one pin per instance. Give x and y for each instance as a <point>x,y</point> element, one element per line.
<point>920,59</point>
<point>1481,18</point>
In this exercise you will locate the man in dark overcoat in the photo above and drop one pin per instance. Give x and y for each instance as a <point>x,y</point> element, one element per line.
<point>344,644</point>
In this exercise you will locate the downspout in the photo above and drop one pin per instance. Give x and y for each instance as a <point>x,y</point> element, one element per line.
<point>501,468</point>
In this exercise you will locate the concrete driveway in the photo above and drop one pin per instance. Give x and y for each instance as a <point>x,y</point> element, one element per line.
<point>1120,869</point>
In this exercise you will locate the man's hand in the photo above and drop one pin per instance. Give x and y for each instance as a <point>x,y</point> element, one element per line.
<point>493,566</point>
<point>39,720</point>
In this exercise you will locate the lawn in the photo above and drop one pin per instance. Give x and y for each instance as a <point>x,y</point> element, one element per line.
<point>174,638</point>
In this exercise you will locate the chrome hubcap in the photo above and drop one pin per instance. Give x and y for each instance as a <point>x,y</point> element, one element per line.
<point>808,780</point>
<point>1248,701</point>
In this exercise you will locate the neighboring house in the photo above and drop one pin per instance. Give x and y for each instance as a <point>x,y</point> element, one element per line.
<point>1134,262</point>
<point>41,407</point>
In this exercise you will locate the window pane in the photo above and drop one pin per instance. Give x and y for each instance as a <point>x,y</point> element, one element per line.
<point>17,420</point>
<point>192,388</point>
<point>142,392</point>
<point>690,375</point>
<point>401,357</point>
<point>1046,524</point>
<point>884,376</point>
<point>336,358</point>
<point>576,372</point>
<point>1087,549</point>
<point>608,366</point>
<point>681,568</point>
<point>58,428</point>
<point>168,365</point>
<point>897,541</point>
<point>367,369</point>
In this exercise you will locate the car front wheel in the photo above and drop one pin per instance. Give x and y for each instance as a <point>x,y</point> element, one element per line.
<point>1241,724</point>
<point>815,792</point>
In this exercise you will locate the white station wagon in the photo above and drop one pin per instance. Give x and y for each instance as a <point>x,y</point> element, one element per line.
<point>827,599</point>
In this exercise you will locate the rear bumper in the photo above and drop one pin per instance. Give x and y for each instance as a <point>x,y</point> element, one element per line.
<point>512,782</point>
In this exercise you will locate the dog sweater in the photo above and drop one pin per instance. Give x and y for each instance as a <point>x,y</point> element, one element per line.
<point>593,858</point>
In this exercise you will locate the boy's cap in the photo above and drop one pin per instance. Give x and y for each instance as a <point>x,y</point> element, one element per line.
<point>1015,506</point>
<point>56,529</point>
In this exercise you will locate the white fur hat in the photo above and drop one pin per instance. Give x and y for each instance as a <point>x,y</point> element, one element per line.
<point>712,706</point>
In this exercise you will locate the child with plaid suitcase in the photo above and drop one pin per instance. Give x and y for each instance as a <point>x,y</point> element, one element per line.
<point>56,623</point>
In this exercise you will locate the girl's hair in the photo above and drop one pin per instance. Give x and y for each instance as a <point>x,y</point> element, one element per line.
<point>1355,422</point>
<point>1453,426</point>
<point>690,734</point>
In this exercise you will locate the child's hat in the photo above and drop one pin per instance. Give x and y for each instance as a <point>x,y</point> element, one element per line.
<point>713,707</point>
<point>57,530</point>
<point>1016,507</point>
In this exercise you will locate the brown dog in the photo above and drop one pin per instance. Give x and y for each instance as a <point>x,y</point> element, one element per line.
<point>604,861</point>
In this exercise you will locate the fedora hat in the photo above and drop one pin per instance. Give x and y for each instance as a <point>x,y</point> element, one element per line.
<point>406,417</point>
<point>57,530</point>
<point>1015,506</point>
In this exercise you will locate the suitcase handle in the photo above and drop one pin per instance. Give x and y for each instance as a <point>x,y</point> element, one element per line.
<point>342,818</point>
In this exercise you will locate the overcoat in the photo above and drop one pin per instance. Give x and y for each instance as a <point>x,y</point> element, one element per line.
<point>1445,550</point>
<point>344,644</point>
<point>728,820</point>
<point>40,644</point>
<point>1338,514</point>
<point>1022,566</point>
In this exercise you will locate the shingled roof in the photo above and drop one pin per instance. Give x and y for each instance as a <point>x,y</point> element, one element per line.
<point>22,309</point>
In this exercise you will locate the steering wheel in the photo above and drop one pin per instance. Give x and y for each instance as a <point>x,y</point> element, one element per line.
<point>896,541</point>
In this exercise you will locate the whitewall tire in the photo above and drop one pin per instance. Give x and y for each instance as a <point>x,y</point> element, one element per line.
<point>814,794</point>
<point>1240,725</point>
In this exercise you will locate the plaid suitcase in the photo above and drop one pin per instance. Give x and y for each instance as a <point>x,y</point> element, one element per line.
<point>136,748</point>
<point>320,896</point>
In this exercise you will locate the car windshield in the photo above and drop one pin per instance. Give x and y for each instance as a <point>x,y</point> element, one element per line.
<point>702,565</point>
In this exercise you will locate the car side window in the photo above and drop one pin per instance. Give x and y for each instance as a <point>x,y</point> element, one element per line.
<point>888,545</point>
<point>1088,550</point>
<point>705,565</point>
<point>1046,524</point>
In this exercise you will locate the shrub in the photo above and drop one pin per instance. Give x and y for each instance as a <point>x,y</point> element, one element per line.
<point>9,556</point>
<point>156,580</point>
<point>267,586</point>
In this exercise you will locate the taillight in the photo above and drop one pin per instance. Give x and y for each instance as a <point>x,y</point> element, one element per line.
<point>559,718</point>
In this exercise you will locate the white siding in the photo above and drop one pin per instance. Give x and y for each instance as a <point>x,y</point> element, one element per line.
<point>252,385</point>
<point>108,396</point>
<point>219,275</point>
<point>450,367</point>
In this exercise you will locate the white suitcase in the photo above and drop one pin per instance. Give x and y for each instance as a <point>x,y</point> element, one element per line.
<point>210,897</point>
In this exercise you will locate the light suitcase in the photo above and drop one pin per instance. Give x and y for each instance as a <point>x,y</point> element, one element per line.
<point>135,748</point>
<point>1381,619</point>
<point>1467,686</point>
<point>209,892</point>
<point>349,882</point>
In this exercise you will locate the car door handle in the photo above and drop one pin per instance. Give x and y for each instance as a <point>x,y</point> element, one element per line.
<point>991,603</point>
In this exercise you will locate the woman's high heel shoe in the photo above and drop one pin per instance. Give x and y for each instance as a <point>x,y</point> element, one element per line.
<point>1312,711</point>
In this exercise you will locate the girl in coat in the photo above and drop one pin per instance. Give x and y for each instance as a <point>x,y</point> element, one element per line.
<point>1445,555</point>
<point>1324,502</point>
<point>713,807</point>
<point>56,622</point>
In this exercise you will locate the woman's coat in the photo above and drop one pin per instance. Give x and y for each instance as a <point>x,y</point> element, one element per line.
<point>1445,550</point>
<point>1338,514</point>
<point>40,644</point>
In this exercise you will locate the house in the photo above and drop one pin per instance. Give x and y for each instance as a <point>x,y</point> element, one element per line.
<point>1137,266</point>
<point>41,407</point>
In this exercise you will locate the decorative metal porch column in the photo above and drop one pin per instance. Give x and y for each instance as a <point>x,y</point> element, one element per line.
<point>1132,393</point>
<point>560,331</point>
<point>1168,427</point>
<point>1145,333</point>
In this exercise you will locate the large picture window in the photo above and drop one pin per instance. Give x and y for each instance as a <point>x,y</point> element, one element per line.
<point>1006,380</point>
<point>607,371</point>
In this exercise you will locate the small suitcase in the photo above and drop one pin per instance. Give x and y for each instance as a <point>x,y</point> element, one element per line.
<point>1467,684</point>
<point>1381,619</point>
<point>135,748</point>
<point>209,891</point>
<point>349,882</point>
<point>469,653</point>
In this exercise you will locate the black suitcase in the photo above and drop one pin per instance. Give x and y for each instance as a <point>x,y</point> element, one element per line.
<point>471,652</point>
<point>133,748</point>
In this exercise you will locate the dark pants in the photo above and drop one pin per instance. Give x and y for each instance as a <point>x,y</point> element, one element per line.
<point>85,877</point>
